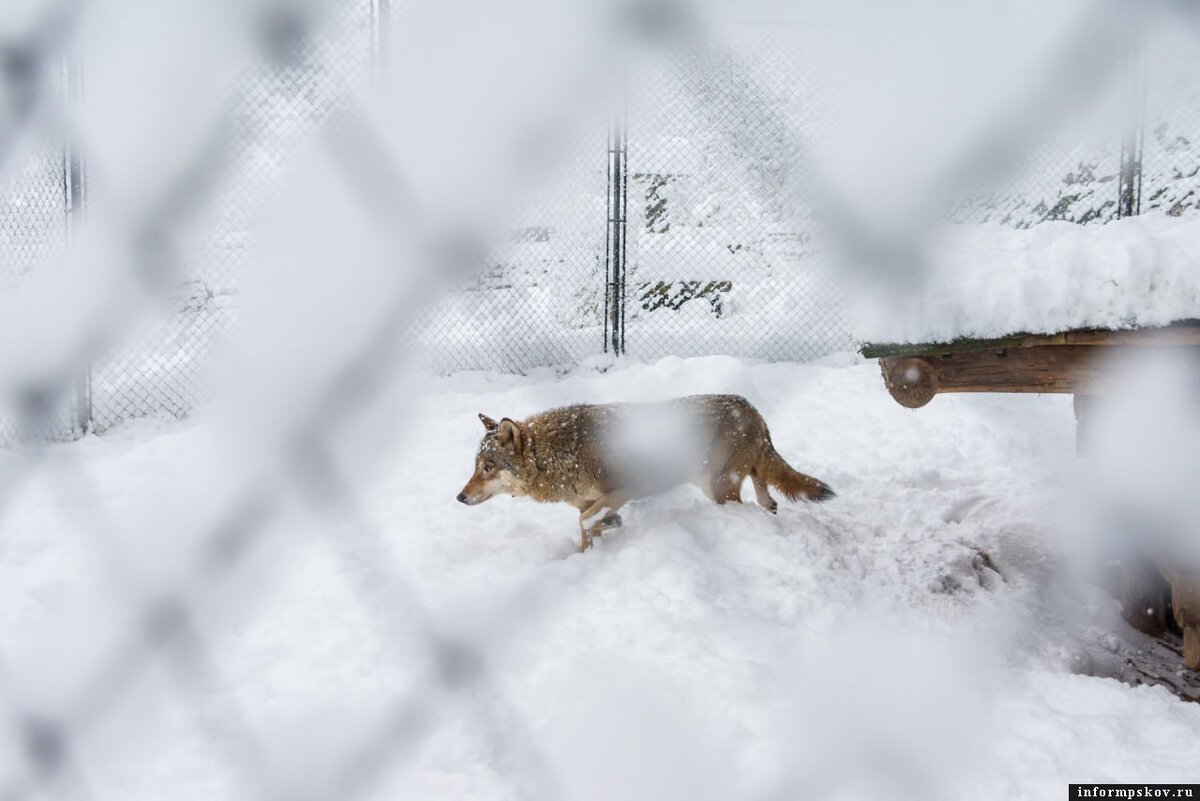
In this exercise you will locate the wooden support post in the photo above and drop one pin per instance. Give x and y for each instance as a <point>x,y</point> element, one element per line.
<point>1185,604</point>
<point>1158,597</point>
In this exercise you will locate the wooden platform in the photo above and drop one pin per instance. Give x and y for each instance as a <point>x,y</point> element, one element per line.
<point>1159,599</point>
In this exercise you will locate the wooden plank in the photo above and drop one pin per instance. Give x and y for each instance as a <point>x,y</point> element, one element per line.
<point>1184,332</point>
<point>1050,368</point>
<point>877,351</point>
<point>1137,659</point>
<point>1181,334</point>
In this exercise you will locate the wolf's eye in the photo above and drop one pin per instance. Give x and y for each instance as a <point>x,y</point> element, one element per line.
<point>487,468</point>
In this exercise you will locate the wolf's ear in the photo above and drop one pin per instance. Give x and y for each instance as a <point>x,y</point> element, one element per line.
<point>488,423</point>
<point>510,436</point>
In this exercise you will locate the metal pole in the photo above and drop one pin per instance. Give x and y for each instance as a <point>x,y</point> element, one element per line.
<point>1129,190</point>
<point>608,224</point>
<point>623,223</point>
<point>615,249</point>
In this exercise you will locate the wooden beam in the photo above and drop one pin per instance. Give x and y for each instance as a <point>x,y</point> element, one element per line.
<point>1076,369</point>
<point>1184,332</point>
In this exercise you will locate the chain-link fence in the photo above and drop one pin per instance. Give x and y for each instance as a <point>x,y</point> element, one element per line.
<point>35,203</point>
<point>723,256</point>
<point>274,108</point>
<point>1170,135</point>
<point>538,298</point>
<point>724,253</point>
<point>720,249</point>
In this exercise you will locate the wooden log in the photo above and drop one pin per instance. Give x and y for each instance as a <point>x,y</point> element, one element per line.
<point>910,381</point>
<point>1144,594</point>
<point>1079,369</point>
<point>1059,368</point>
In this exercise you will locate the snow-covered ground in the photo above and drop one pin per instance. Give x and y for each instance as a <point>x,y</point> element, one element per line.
<point>913,638</point>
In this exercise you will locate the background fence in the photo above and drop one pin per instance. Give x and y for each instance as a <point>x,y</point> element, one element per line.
<point>687,229</point>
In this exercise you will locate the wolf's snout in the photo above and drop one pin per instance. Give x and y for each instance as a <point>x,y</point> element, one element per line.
<point>462,498</point>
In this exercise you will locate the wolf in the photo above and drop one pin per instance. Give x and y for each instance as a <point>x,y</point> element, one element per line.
<point>599,457</point>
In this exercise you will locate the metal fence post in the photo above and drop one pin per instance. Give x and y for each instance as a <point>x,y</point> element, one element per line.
<point>617,229</point>
<point>1129,198</point>
<point>74,204</point>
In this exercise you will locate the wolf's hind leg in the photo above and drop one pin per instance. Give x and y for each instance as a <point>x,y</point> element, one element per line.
<point>762,494</point>
<point>726,488</point>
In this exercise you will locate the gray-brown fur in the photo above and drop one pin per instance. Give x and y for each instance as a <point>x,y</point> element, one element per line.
<point>597,458</point>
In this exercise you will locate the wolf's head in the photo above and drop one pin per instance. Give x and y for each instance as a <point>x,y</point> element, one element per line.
<point>498,463</point>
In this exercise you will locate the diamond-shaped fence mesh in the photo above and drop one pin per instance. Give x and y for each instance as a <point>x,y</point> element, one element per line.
<point>723,251</point>
<point>1170,180</point>
<point>723,255</point>
<point>33,218</point>
<point>275,108</point>
<point>33,235</point>
<point>1069,173</point>
<point>538,298</point>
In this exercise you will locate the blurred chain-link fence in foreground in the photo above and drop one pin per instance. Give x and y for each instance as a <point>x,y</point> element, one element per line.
<point>721,254</point>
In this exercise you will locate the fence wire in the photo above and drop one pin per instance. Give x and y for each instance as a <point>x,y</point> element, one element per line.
<point>275,108</point>
<point>33,231</point>
<point>1170,135</point>
<point>725,256</point>
<point>538,297</point>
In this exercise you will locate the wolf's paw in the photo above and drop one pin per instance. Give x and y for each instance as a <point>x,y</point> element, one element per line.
<point>610,522</point>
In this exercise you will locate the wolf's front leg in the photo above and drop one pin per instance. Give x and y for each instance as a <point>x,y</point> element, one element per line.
<point>600,516</point>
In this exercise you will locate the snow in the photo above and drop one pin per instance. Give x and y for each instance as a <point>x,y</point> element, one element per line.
<point>857,648</point>
<point>989,281</point>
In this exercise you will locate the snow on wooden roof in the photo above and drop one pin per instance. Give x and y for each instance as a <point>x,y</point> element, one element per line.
<point>989,282</point>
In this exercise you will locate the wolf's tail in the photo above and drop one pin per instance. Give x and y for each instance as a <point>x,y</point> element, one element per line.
<point>792,483</point>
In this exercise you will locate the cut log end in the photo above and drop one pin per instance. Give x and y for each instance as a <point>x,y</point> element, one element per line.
<point>911,381</point>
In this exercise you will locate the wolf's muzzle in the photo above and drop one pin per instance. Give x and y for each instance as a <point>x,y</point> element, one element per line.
<point>462,498</point>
